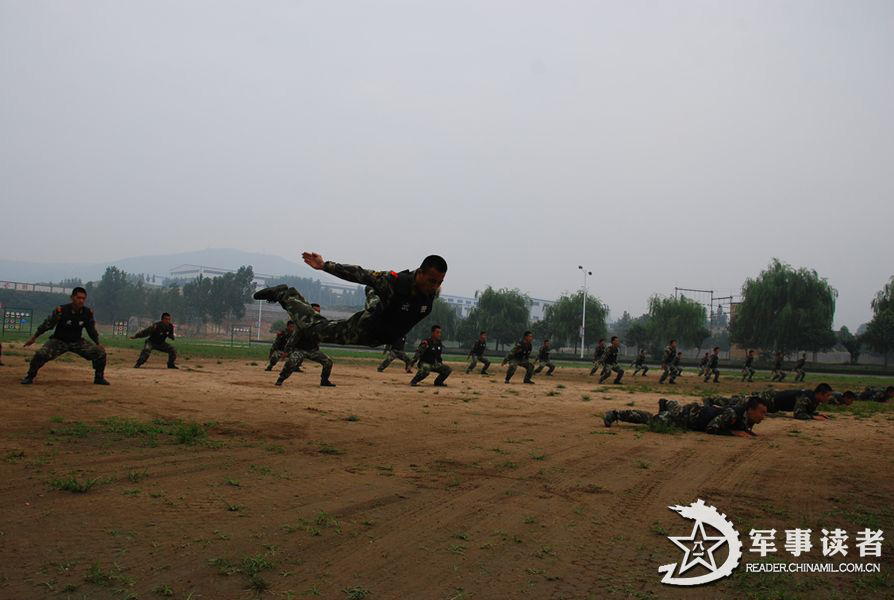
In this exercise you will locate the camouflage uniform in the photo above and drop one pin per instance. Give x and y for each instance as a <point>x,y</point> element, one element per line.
<point>393,307</point>
<point>68,325</point>
<point>519,356</point>
<point>277,347</point>
<point>597,357</point>
<point>544,361</point>
<point>694,416</point>
<point>778,373</point>
<point>609,364</point>
<point>667,365</point>
<point>157,333</point>
<point>799,369</point>
<point>802,403</point>
<point>677,369</point>
<point>748,370</point>
<point>304,345</point>
<point>476,354</point>
<point>713,362</point>
<point>393,351</point>
<point>874,394</point>
<point>428,355</point>
<point>702,365</point>
<point>640,364</point>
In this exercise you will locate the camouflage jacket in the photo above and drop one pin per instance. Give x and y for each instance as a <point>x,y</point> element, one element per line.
<point>543,355</point>
<point>478,349</point>
<point>157,332</point>
<point>281,341</point>
<point>68,324</point>
<point>598,353</point>
<point>667,359</point>
<point>874,394</point>
<point>640,359</point>
<point>611,356</point>
<point>521,352</point>
<point>714,361</point>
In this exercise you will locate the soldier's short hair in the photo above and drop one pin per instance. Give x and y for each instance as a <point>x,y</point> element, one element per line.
<point>78,290</point>
<point>753,401</point>
<point>482,333</point>
<point>601,339</point>
<point>716,348</point>
<point>545,339</point>
<point>289,323</point>
<point>314,305</point>
<point>433,327</point>
<point>889,390</point>
<point>433,261</point>
<point>848,394</point>
<point>614,337</point>
<point>823,388</point>
<point>163,315</point>
<point>672,341</point>
<point>527,333</point>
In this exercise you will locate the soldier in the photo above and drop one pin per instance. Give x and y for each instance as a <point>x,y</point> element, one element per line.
<point>802,403</point>
<point>748,369</point>
<point>278,347</point>
<point>69,320</point>
<point>845,398</point>
<point>610,362</point>
<point>597,356</point>
<point>703,364</point>
<point>877,394</point>
<point>543,359</point>
<point>428,357</point>
<point>678,370</point>
<point>396,350</point>
<point>713,362</point>
<point>156,334</point>
<point>734,420</point>
<point>778,373</point>
<point>520,356</point>
<point>395,302</point>
<point>640,364</point>
<point>667,360</point>
<point>477,353</point>
<point>304,344</point>
<point>799,368</point>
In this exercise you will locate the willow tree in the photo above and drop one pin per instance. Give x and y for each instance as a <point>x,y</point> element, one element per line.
<point>785,309</point>
<point>503,313</point>
<point>677,318</point>
<point>563,318</point>
<point>879,333</point>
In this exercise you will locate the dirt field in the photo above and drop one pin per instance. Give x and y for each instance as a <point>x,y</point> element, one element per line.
<point>209,482</point>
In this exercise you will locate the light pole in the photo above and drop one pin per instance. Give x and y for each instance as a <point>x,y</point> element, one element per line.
<point>583,318</point>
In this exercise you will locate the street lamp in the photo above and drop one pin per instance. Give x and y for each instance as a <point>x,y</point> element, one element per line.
<point>583,318</point>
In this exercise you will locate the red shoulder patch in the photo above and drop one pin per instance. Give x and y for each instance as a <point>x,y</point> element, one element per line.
<point>58,309</point>
<point>392,273</point>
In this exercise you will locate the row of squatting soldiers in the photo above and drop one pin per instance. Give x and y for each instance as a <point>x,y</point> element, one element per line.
<point>606,359</point>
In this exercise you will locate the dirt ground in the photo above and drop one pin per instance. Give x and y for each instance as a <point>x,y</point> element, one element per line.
<point>375,489</point>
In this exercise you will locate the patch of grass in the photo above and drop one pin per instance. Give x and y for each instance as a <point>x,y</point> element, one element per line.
<point>275,449</point>
<point>356,593</point>
<point>352,418</point>
<point>73,429</point>
<point>659,529</point>
<point>72,484</point>
<point>642,464</point>
<point>328,449</point>
<point>538,456</point>
<point>656,426</point>
<point>233,483</point>
<point>553,393</point>
<point>164,590</point>
<point>585,398</point>
<point>507,465</point>
<point>137,476</point>
<point>97,576</point>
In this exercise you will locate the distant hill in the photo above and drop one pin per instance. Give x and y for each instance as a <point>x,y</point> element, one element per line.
<point>226,258</point>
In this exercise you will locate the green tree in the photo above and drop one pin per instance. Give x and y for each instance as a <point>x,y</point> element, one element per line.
<point>502,313</point>
<point>676,318</point>
<point>562,320</point>
<point>785,309</point>
<point>880,332</point>
<point>112,296</point>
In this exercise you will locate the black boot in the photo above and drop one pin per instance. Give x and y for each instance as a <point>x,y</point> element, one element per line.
<point>99,379</point>
<point>27,379</point>
<point>326,383</point>
<point>173,366</point>
<point>270,294</point>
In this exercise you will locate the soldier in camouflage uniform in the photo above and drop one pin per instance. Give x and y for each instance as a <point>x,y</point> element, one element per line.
<point>395,302</point>
<point>396,350</point>
<point>157,333</point>
<point>304,344</point>
<point>667,363</point>
<point>876,394</point>
<point>845,398</point>
<point>543,359</point>
<point>610,362</point>
<point>520,356</point>
<point>799,368</point>
<point>733,420</point>
<point>778,373</point>
<point>640,364</point>
<point>713,362</point>
<point>803,404</point>
<point>748,369</point>
<point>703,364</point>
<point>477,354</point>
<point>678,370</point>
<point>597,357</point>
<point>278,347</point>
<point>428,357</point>
<point>68,321</point>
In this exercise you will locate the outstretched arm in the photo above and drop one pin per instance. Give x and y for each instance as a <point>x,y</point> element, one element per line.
<point>142,333</point>
<point>48,324</point>
<point>375,279</point>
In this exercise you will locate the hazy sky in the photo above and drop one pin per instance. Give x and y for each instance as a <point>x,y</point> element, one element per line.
<point>657,143</point>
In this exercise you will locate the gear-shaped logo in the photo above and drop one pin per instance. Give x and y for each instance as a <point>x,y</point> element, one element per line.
<point>698,547</point>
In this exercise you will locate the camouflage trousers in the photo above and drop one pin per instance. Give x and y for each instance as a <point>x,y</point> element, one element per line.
<point>607,371</point>
<point>710,372</point>
<point>391,355</point>
<point>597,364</point>
<point>747,373</point>
<point>527,365</point>
<point>683,416</point>
<point>165,347</point>
<point>273,358</point>
<point>351,331</point>
<point>778,375</point>
<point>54,348</point>
<point>474,361</point>
<point>424,369</point>
<point>667,371</point>
<point>550,367</point>
<point>296,357</point>
<point>637,368</point>
<point>799,374</point>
